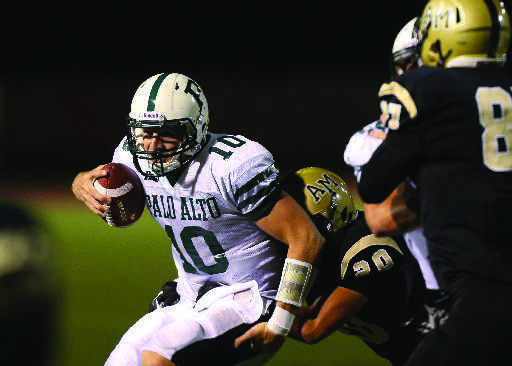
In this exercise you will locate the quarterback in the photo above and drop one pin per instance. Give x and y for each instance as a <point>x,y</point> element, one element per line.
<point>217,198</point>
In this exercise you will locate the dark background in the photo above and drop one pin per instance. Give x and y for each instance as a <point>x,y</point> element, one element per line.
<point>299,80</point>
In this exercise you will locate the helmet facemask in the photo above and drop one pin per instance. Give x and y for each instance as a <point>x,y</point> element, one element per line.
<point>334,217</point>
<point>160,162</point>
<point>324,195</point>
<point>340,212</point>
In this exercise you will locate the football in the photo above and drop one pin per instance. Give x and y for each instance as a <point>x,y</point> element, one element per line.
<point>123,185</point>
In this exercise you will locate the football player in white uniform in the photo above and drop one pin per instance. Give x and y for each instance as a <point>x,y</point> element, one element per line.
<point>216,197</point>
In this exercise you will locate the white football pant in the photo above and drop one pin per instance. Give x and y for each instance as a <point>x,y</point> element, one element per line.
<point>172,328</point>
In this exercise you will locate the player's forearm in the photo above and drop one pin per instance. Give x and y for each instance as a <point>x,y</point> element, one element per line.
<point>290,224</point>
<point>392,216</point>
<point>341,304</point>
<point>379,219</point>
<point>307,248</point>
<point>313,332</point>
<point>305,331</point>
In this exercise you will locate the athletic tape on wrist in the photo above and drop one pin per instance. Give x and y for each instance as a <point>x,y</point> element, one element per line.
<point>281,321</point>
<point>294,282</point>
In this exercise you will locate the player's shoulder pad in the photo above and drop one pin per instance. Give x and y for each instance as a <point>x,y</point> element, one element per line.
<point>235,152</point>
<point>406,87</point>
<point>122,154</point>
<point>366,248</point>
<point>227,146</point>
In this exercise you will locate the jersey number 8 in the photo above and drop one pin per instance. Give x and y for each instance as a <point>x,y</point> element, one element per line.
<point>495,110</point>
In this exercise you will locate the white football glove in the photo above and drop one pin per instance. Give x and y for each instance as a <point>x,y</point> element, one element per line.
<point>363,144</point>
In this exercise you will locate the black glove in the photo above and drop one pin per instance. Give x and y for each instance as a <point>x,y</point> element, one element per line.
<point>207,286</point>
<point>166,297</point>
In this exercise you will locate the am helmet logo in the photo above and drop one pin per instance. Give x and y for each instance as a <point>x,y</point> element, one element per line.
<point>438,19</point>
<point>323,185</point>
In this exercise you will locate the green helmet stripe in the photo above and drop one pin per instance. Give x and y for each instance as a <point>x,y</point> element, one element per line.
<point>154,91</point>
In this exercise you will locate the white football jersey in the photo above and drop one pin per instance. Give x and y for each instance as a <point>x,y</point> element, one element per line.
<point>207,209</point>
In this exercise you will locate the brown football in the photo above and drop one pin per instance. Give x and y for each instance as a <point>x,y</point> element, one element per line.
<point>123,185</point>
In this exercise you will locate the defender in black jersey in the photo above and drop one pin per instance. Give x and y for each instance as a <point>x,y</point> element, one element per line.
<point>368,286</point>
<point>451,131</point>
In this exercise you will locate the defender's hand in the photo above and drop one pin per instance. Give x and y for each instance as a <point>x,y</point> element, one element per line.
<point>262,339</point>
<point>84,191</point>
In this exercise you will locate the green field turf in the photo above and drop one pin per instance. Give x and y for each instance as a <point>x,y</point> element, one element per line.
<point>107,278</point>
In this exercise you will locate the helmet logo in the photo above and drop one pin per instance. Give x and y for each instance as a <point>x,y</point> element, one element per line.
<point>425,21</point>
<point>441,19</point>
<point>436,47</point>
<point>438,19</point>
<point>193,89</point>
<point>318,192</point>
<point>153,116</point>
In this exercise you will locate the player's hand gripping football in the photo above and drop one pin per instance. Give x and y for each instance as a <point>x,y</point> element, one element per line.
<point>84,191</point>
<point>262,339</point>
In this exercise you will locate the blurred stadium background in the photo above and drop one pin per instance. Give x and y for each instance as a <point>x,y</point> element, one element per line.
<point>299,80</point>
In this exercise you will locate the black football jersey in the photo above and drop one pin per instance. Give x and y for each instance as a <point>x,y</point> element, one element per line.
<point>381,269</point>
<point>451,132</point>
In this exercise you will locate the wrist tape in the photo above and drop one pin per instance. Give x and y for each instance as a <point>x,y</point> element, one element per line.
<point>294,282</point>
<point>281,321</point>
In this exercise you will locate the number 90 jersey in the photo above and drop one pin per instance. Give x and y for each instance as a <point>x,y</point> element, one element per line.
<point>383,270</point>
<point>450,130</point>
<point>208,208</point>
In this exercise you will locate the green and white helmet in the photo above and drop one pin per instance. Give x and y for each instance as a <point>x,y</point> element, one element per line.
<point>170,101</point>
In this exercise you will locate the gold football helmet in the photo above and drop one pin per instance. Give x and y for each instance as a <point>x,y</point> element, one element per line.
<point>324,195</point>
<point>464,33</point>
